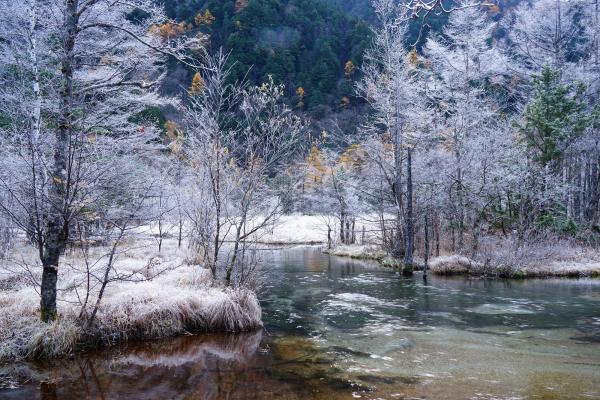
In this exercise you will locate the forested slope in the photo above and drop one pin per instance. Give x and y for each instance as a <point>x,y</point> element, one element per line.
<point>312,46</point>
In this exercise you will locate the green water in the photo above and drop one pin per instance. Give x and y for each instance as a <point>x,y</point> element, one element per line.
<point>342,329</point>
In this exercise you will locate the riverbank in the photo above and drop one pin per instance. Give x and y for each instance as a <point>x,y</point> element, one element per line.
<point>497,257</point>
<point>572,263</point>
<point>153,295</point>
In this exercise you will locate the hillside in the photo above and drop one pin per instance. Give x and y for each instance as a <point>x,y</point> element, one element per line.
<point>311,46</point>
<point>314,47</point>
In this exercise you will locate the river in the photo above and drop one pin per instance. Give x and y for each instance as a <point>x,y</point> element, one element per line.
<point>340,329</point>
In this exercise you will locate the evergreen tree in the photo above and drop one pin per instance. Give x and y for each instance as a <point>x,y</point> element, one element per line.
<point>555,117</point>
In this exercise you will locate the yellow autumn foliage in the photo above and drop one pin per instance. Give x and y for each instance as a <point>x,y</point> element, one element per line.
<point>349,68</point>
<point>175,136</point>
<point>352,157</point>
<point>197,84</point>
<point>204,19</point>
<point>300,93</point>
<point>168,30</point>
<point>317,169</point>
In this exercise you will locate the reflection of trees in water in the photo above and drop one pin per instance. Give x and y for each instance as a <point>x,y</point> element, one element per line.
<point>211,367</point>
<point>204,367</point>
<point>48,391</point>
<point>199,350</point>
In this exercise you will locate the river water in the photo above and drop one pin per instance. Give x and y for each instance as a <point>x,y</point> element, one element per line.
<point>342,329</point>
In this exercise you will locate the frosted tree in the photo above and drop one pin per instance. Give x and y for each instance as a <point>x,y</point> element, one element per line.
<point>238,138</point>
<point>209,125</point>
<point>461,61</point>
<point>391,86</point>
<point>589,145</point>
<point>545,32</point>
<point>556,42</point>
<point>75,74</point>
<point>24,60</point>
<point>422,9</point>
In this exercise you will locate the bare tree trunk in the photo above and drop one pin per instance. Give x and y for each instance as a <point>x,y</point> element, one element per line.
<point>216,190</point>
<point>160,235</point>
<point>409,236</point>
<point>426,254</point>
<point>213,266</point>
<point>348,234</point>
<point>436,232</point>
<point>461,201</point>
<point>397,186</point>
<point>453,235</point>
<point>476,232</point>
<point>85,251</point>
<point>57,226</point>
<point>342,223</point>
<point>37,166</point>
<point>160,221</point>
<point>233,260</point>
<point>105,278</point>
<point>180,233</point>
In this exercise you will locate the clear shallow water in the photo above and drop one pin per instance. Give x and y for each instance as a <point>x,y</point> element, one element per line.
<point>340,329</point>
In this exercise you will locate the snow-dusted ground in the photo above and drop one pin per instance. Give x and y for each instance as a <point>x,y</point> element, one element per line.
<point>584,265</point>
<point>589,267</point>
<point>295,229</point>
<point>181,296</point>
<point>299,229</point>
<point>162,296</point>
<point>533,260</point>
<point>291,229</point>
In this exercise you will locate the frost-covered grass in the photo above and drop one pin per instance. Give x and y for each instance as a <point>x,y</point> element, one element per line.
<point>181,299</point>
<point>364,252</point>
<point>497,258</point>
<point>542,258</point>
<point>461,265</point>
<point>508,259</point>
<point>454,265</point>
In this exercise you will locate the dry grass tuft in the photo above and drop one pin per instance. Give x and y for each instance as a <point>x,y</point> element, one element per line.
<point>237,311</point>
<point>362,252</point>
<point>454,265</point>
<point>54,339</point>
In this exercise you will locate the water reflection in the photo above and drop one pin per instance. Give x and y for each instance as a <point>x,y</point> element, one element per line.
<point>205,366</point>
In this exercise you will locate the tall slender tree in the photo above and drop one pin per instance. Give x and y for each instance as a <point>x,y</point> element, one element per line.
<point>76,71</point>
